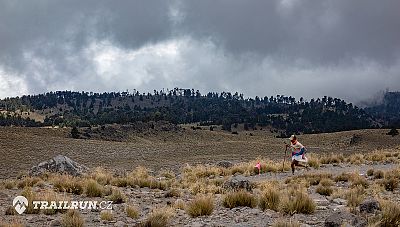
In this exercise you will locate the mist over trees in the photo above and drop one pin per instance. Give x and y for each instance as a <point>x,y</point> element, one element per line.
<point>285,114</point>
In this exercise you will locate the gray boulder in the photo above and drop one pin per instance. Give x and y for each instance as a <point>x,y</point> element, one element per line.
<point>238,183</point>
<point>342,218</point>
<point>59,164</point>
<point>369,205</point>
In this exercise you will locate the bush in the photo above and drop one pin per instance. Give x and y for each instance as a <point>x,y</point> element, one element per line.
<point>158,218</point>
<point>390,183</point>
<point>355,196</point>
<point>106,215</point>
<point>300,202</point>
<point>72,219</point>
<point>66,183</point>
<point>270,199</point>
<point>201,206</point>
<point>379,174</point>
<point>117,196</point>
<point>390,214</point>
<point>357,180</point>
<point>370,172</point>
<point>284,223</point>
<point>132,212</point>
<point>238,199</point>
<point>324,190</point>
<point>30,196</point>
<point>343,177</point>
<point>93,189</point>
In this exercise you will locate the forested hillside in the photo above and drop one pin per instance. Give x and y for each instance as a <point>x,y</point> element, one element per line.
<point>388,110</point>
<point>285,114</point>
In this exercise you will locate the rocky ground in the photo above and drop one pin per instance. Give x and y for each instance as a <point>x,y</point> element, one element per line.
<point>364,191</point>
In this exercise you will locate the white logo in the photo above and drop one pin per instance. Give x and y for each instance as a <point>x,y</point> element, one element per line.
<point>20,203</point>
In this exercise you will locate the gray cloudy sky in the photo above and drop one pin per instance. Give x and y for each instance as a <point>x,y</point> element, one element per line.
<point>309,48</point>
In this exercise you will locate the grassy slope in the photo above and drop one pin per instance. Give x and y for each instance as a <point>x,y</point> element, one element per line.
<point>21,148</point>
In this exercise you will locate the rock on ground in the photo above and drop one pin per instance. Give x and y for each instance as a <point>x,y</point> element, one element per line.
<point>341,218</point>
<point>238,183</point>
<point>369,205</point>
<point>59,164</point>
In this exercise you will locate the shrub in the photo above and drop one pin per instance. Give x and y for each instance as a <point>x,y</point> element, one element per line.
<point>355,196</point>
<point>28,182</point>
<point>66,183</point>
<point>30,196</point>
<point>117,196</point>
<point>324,190</point>
<point>179,204</point>
<point>390,183</point>
<point>93,189</point>
<point>239,198</point>
<point>357,180</point>
<point>174,192</point>
<point>270,199</point>
<point>300,202</point>
<point>370,172</point>
<point>284,223</point>
<point>106,215</point>
<point>158,218</point>
<point>101,175</point>
<point>379,174</point>
<point>119,181</point>
<point>72,219</point>
<point>201,206</point>
<point>343,177</point>
<point>390,214</point>
<point>9,184</point>
<point>326,182</point>
<point>132,212</point>
<point>10,211</point>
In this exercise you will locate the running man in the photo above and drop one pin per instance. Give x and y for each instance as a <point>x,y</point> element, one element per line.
<point>298,153</point>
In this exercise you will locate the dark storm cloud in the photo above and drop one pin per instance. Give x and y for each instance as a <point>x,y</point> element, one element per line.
<point>348,49</point>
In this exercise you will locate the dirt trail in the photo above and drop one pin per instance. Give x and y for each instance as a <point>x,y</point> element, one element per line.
<point>334,170</point>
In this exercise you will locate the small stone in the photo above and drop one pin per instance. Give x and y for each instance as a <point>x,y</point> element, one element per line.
<point>340,201</point>
<point>55,223</point>
<point>120,224</point>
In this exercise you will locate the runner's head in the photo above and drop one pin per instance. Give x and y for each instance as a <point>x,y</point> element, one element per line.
<point>293,138</point>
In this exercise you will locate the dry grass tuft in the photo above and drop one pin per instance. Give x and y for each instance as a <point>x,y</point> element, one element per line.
<point>132,211</point>
<point>117,196</point>
<point>67,183</point>
<point>370,172</point>
<point>345,177</point>
<point>158,218</point>
<point>379,174</point>
<point>270,199</point>
<point>390,214</point>
<point>355,196</point>
<point>239,199</point>
<point>390,183</point>
<point>106,215</point>
<point>179,204</point>
<point>101,175</point>
<point>357,180</point>
<point>28,182</point>
<point>93,188</point>
<point>9,184</point>
<point>324,190</point>
<point>72,219</point>
<point>202,205</point>
<point>298,202</point>
<point>30,196</point>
